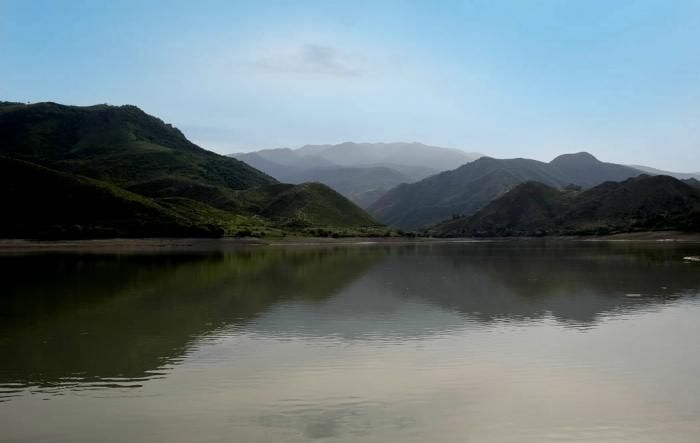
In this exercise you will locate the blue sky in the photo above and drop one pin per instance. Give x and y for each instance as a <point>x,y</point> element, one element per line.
<point>620,79</point>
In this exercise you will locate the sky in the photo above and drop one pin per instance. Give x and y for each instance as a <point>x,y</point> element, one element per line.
<point>525,78</point>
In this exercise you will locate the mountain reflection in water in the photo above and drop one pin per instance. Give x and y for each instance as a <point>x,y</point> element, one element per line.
<point>118,323</point>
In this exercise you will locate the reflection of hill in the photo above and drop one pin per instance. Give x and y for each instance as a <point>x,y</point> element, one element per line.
<point>576,282</point>
<point>116,317</point>
<point>417,290</point>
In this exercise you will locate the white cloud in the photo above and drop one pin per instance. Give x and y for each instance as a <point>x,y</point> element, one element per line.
<point>309,59</point>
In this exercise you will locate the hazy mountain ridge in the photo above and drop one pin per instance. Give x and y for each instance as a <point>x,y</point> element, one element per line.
<point>145,166</point>
<point>643,203</point>
<point>396,154</point>
<point>360,171</point>
<point>363,185</point>
<point>467,189</point>
<point>678,175</point>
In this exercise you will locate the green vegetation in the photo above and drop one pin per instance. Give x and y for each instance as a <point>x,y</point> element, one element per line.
<point>41,202</point>
<point>362,185</point>
<point>642,203</point>
<point>125,147</point>
<point>105,171</point>
<point>467,189</point>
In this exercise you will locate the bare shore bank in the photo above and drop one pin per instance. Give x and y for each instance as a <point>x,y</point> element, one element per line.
<point>203,244</point>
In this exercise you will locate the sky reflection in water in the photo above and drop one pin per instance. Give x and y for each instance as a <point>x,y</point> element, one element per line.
<point>520,341</point>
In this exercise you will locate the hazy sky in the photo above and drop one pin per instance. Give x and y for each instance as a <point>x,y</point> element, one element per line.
<point>526,78</point>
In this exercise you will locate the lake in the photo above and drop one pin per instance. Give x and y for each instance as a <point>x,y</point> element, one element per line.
<point>522,341</point>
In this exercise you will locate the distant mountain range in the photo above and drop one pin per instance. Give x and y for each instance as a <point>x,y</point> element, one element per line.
<point>360,171</point>
<point>465,190</point>
<point>643,203</point>
<point>117,171</point>
<point>107,171</point>
<point>678,175</point>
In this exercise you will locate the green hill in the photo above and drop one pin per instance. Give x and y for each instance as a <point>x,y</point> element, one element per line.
<point>126,147</point>
<point>41,202</point>
<point>642,203</point>
<point>102,171</point>
<point>317,204</point>
<point>361,185</point>
<point>467,189</point>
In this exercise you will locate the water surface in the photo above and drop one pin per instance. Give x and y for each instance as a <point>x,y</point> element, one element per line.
<point>483,342</point>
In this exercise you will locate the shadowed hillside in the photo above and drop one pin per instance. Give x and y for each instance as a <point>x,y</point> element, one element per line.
<point>102,171</point>
<point>642,203</point>
<point>470,187</point>
<point>41,202</point>
<point>126,147</point>
<point>361,185</point>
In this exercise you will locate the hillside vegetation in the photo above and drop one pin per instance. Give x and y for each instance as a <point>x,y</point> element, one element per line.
<point>126,147</point>
<point>361,185</point>
<point>643,203</point>
<point>117,171</point>
<point>467,189</point>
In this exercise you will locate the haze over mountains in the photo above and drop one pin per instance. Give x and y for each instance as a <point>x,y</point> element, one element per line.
<point>117,171</point>
<point>101,171</point>
<point>412,185</point>
<point>465,190</point>
<point>678,175</point>
<point>360,171</point>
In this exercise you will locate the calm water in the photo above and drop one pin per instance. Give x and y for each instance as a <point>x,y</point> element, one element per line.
<point>471,342</point>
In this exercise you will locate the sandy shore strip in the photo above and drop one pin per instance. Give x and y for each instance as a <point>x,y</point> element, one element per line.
<point>120,245</point>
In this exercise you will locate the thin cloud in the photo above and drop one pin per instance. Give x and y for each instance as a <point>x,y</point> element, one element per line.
<point>309,59</point>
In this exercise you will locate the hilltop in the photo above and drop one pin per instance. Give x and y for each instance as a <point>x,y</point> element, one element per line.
<point>360,171</point>
<point>117,171</point>
<point>126,147</point>
<point>467,189</point>
<point>643,203</point>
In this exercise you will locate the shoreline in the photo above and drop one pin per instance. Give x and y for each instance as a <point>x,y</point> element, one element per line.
<point>196,244</point>
<point>212,244</point>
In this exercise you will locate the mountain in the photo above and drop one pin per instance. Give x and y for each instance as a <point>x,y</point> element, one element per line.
<point>467,189</point>
<point>283,162</point>
<point>41,202</point>
<point>126,147</point>
<point>360,171</point>
<point>92,160</point>
<point>678,175</point>
<point>314,203</point>
<point>583,169</point>
<point>692,182</point>
<point>396,155</point>
<point>361,185</point>
<point>643,203</point>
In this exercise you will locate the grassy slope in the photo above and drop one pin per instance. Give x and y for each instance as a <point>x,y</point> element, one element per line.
<point>318,204</point>
<point>469,188</point>
<point>360,184</point>
<point>41,202</point>
<point>638,204</point>
<point>126,147</point>
<point>75,156</point>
